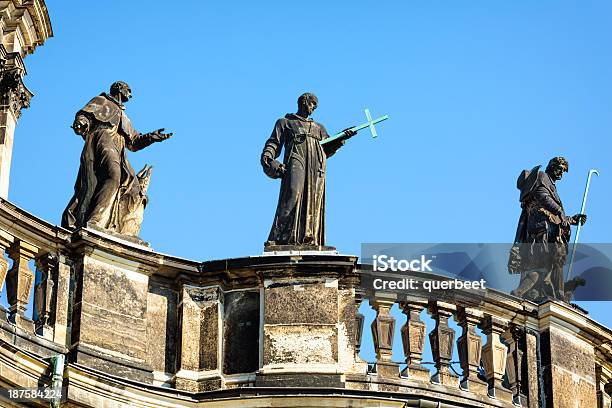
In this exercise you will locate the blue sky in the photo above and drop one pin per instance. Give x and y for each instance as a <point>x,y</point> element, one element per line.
<point>477,91</point>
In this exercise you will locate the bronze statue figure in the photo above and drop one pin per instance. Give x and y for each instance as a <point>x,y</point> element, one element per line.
<point>541,243</point>
<point>108,194</point>
<point>300,218</point>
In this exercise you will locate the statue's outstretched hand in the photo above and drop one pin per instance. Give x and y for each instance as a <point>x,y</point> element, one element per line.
<point>159,135</point>
<point>579,219</point>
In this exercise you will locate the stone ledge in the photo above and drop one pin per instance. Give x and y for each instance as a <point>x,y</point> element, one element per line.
<point>86,356</point>
<point>10,334</point>
<point>300,380</point>
<point>402,386</point>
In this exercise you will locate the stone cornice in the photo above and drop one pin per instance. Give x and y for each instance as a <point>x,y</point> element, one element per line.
<point>564,317</point>
<point>30,18</point>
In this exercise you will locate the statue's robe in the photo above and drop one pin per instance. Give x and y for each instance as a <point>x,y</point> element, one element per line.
<point>107,189</point>
<point>541,240</point>
<point>300,213</point>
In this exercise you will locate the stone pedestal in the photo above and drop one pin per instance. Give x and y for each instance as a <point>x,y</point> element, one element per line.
<point>201,341</point>
<point>307,331</point>
<point>568,360</point>
<point>109,330</point>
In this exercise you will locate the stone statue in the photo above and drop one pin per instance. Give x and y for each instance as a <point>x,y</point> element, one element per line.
<point>108,194</point>
<point>300,213</point>
<point>541,243</point>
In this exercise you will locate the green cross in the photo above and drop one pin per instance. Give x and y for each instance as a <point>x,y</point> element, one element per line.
<point>369,124</point>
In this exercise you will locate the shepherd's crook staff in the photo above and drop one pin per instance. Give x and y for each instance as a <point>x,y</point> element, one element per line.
<point>582,209</point>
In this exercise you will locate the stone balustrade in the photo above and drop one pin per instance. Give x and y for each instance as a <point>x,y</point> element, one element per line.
<point>153,327</point>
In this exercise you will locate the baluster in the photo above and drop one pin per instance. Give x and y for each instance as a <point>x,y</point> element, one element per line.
<point>383,331</point>
<point>494,356</point>
<point>469,345</point>
<point>45,288</point>
<point>515,338</point>
<point>359,319</point>
<point>413,339</point>
<point>442,340</point>
<point>19,283</point>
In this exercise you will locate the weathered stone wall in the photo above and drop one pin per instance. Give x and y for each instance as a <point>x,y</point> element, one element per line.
<point>110,311</point>
<point>300,320</point>
<point>569,370</point>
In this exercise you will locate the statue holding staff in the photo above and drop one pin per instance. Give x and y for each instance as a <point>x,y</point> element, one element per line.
<point>541,242</point>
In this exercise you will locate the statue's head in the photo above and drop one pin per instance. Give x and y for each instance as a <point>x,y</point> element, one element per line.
<point>307,103</point>
<point>121,91</point>
<point>556,167</point>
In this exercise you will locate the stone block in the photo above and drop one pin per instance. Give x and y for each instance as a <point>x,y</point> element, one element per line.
<point>301,303</point>
<point>312,344</point>
<point>569,370</point>
<point>113,310</point>
<point>571,391</point>
<point>386,369</point>
<point>109,328</point>
<point>300,380</point>
<point>117,366</point>
<point>198,385</point>
<point>417,372</point>
<point>572,354</point>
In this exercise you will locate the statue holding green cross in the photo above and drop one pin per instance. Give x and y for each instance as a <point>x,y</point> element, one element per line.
<point>369,124</point>
<point>299,222</point>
